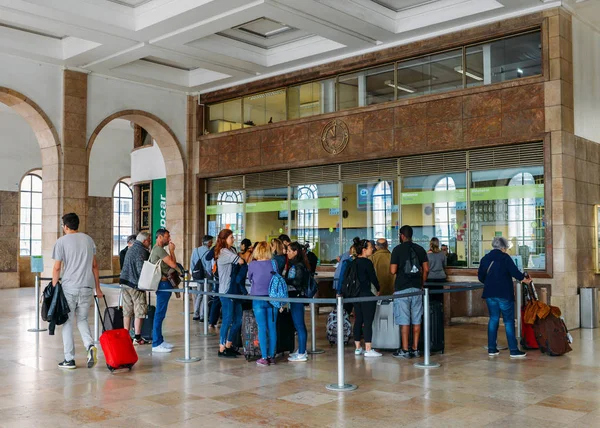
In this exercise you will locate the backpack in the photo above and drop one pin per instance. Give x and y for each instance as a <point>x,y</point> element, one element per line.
<point>313,287</point>
<point>332,328</point>
<point>412,266</point>
<point>552,335</point>
<point>277,287</point>
<point>351,285</point>
<point>198,272</point>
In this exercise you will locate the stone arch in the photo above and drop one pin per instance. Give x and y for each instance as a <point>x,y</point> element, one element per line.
<point>51,151</point>
<point>174,164</point>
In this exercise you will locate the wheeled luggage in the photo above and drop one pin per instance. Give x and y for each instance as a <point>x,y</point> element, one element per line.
<point>286,333</point>
<point>436,332</point>
<point>552,335</point>
<point>148,323</point>
<point>386,334</point>
<point>528,340</point>
<point>113,318</point>
<point>250,336</point>
<point>117,346</point>
<point>331,328</point>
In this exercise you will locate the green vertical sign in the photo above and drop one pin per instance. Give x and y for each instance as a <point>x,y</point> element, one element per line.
<point>159,205</point>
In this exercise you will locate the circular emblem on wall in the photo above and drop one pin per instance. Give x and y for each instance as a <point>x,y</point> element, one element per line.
<point>335,136</point>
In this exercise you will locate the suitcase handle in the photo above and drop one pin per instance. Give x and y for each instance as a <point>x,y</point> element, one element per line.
<point>99,312</point>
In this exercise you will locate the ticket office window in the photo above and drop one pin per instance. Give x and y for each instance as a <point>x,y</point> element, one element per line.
<point>225,210</point>
<point>509,203</point>
<point>436,206</point>
<point>315,219</point>
<point>266,213</point>
<point>369,211</point>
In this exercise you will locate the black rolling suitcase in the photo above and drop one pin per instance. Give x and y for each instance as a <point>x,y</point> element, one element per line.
<point>286,339</point>
<point>436,332</point>
<point>148,321</point>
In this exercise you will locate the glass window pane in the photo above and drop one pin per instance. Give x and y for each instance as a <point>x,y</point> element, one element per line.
<point>379,85</point>
<point>36,248</point>
<point>36,183</point>
<point>25,216</point>
<point>348,91</point>
<point>509,203</point>
<point>310,99</point>
<point>36,231</point>
<point>36,216</point>
<point>26,183</point>
<point>36,200</point>
<point>315,219</point>
<point>263,108</point>
<point>430,74</point>
<point>24,248</point>
<point>226,116</point>
<point>505,59</point>
<point>435,206</point>
<point>25,232</point>
<point>225,210</point>
<point>25,199</point>
<point>266,214</point>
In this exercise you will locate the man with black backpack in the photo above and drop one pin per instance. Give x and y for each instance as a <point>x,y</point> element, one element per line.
<point>201,269</point>
<point>409,264</point>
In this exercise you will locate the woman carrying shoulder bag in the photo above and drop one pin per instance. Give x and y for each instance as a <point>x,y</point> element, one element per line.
<point>227,258</point>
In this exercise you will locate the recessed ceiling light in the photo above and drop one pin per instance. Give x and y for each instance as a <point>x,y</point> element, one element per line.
<point>400,87</point>
<point>470,74</point>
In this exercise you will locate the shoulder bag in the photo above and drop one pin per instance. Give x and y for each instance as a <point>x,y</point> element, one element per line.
<point>150,276</point>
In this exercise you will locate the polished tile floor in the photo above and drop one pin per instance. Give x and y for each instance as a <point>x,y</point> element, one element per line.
<point>469,390</point>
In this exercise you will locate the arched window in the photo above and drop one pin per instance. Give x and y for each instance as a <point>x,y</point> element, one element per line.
<point>122,216</point>
<point>521,215</point>
<point>31,216</point>
<point>234,218</point>
<point>308,219</point>
<point>445,212</point>
<point>382,210</point>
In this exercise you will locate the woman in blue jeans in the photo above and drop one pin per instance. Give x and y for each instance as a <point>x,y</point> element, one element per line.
<point>297,278</point>
<point>226,259</point>
<point>496,271</point>
<point>260,272</point>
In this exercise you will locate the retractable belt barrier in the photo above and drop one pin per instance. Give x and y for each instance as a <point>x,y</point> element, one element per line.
<point>341,385</point>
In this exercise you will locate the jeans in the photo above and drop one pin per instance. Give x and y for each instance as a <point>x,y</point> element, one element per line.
<point>364,315</point>
<point>79,303</point>
<point>297,311</point>
<point>162,303</point>
<point>495,306</point>
<point>232,319</point>
<point>215,311</point>
<point>266,320</point>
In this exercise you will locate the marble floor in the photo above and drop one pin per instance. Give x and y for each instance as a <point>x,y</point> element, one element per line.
<point>468,390</point>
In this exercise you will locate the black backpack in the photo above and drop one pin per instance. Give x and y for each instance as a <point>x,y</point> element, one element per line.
<point>412,266</point>
<point>198,272</point>
<point>351,285</point>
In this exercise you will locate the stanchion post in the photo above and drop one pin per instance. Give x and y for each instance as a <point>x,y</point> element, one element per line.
<point>37,328</point>
<point>519,306</point>
<point>206,312</point>
<point>426,364</point>
<point>96,325</point>
<point>341,384</point>
<point>313,331</point>
<point>186,325</point>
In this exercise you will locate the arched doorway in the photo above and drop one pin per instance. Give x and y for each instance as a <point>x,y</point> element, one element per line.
<point>49,143</point>
<point>174,164</point>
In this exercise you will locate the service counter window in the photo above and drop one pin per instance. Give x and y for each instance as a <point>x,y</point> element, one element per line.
<point>225,210</point>
<point>223,117</point>
<point>370,210</point>
<point>266,214</point>
<point>509,203</point>
<point>315,219</point>
<point>436,206</point>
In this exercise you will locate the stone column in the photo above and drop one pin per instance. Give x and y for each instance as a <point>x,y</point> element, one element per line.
<point>192,195</point>
<point>75,159</point>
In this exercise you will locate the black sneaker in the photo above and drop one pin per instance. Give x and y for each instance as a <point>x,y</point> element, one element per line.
<point>226,354</point>
<point>196,319</point>
<point>233,351</point>
<point>92,356</point>
<point>401,353</point>
<point>493,352</point>
<point>67,365</point>
<point>517,354</point>
<point>415,353</point>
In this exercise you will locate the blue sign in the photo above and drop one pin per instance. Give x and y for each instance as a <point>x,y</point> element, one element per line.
<point>37,264</point>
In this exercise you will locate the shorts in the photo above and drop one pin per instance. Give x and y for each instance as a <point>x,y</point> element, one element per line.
<point>134,303</point>
<point>408,308</point>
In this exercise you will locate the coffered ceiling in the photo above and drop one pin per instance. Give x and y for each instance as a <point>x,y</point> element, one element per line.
<point>202,45</point>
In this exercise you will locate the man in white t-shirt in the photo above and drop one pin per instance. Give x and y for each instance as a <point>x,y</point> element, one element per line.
<point>76,253</point>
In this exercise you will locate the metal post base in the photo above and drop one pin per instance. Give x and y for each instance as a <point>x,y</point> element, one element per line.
<point>343,388</point>
<point>188,360</point>
<point>316,351</point>
<point>37,330</point>
<point>427,365</point>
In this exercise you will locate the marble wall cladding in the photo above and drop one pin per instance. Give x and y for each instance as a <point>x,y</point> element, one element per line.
<point>506,114</point>
<point>9,231</point>
<point>100,214</point>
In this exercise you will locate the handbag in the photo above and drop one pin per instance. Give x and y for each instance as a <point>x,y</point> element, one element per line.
<point>150,276</point>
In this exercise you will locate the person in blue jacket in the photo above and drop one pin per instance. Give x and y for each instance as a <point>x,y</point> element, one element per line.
<point>496,271</point>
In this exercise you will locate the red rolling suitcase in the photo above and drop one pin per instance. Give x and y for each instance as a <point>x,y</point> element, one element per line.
<point>117,346</point>
<point>528,340</point>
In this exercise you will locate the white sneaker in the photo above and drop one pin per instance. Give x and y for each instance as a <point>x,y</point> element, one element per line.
<point>372,353</point>
<point>167,345</point>
<point>358,351</point>
<point>293,354</point>
<point>298,358</point>
<point>161,349</point>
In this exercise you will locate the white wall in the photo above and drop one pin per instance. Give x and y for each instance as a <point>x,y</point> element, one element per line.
<point>109,159</point>
<point>147,164</point>
<point>42,83</point>
<point>586,77</point>
<point>108,96</point>
<point>19,147</point>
